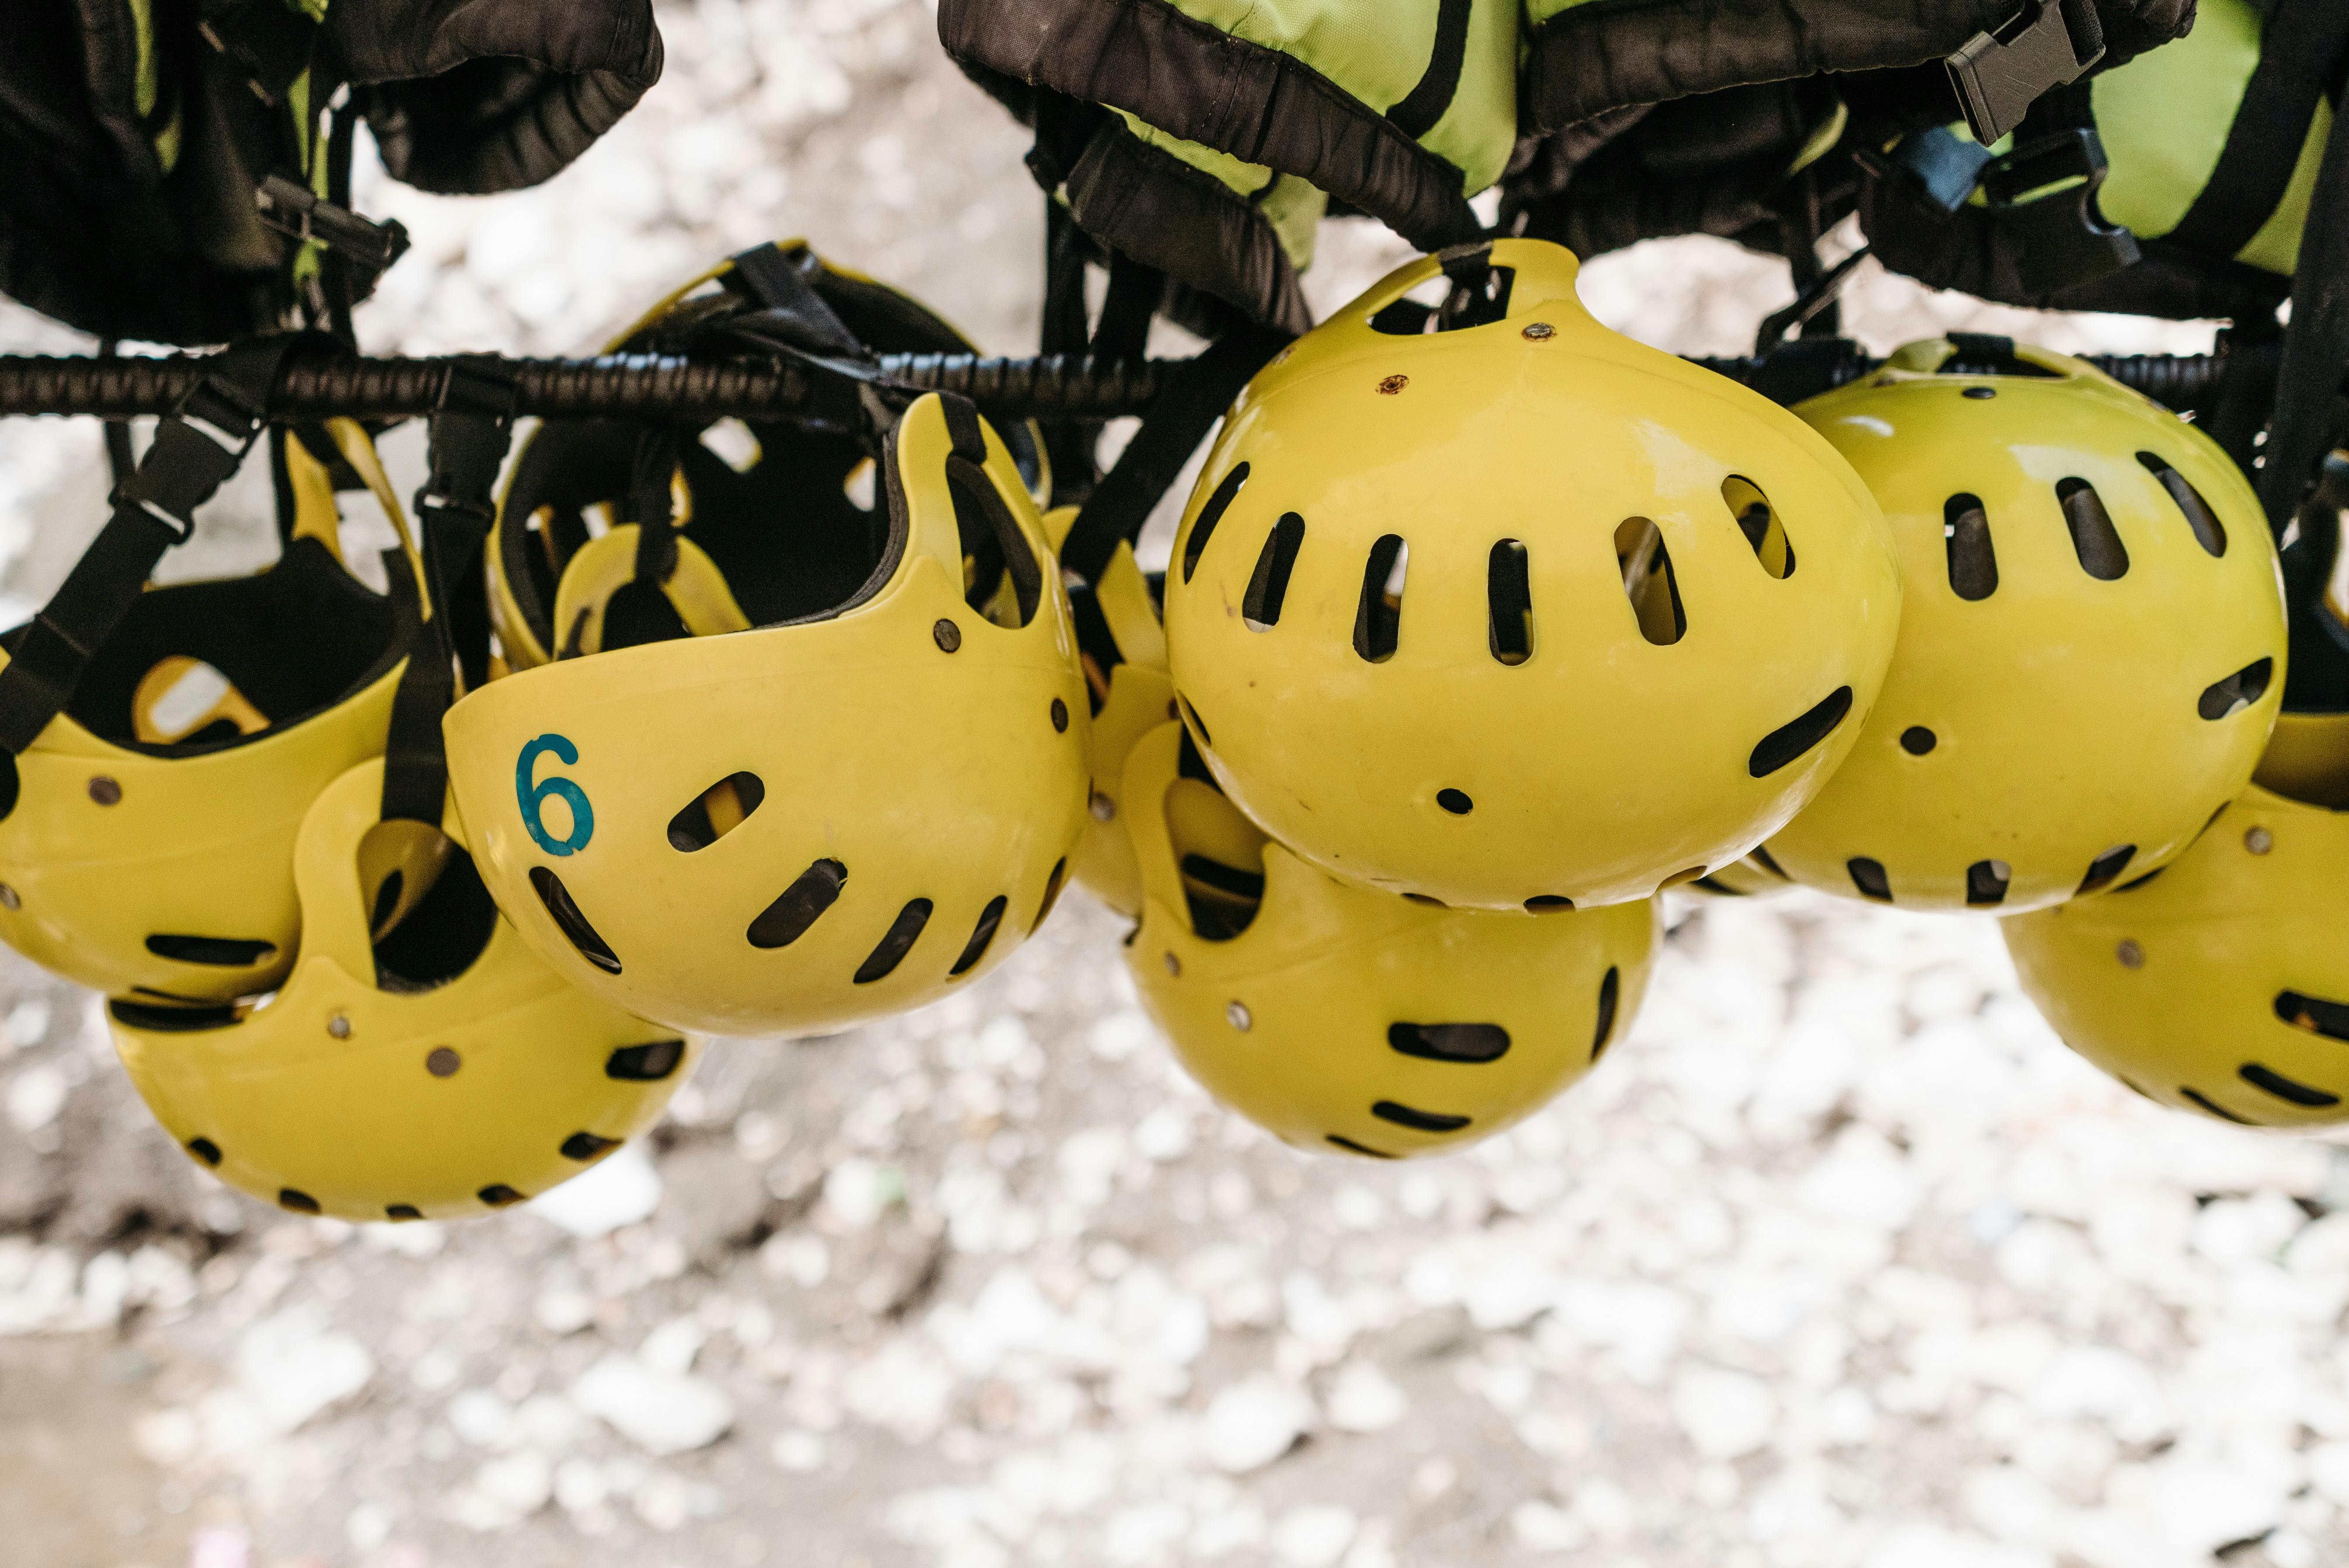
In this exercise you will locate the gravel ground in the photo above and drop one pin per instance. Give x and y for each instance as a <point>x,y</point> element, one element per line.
<point>1841,1259</point>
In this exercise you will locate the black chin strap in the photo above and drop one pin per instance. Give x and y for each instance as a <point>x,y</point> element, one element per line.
<point>196,447</point>
<point>470,433</point>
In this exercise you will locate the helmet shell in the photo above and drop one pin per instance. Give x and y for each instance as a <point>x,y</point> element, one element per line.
<point>1117,627</point>
<point>919,773</point>
<point>163,869</point>
<point>340,1096</point>
<point>1518,725</point>
<point>2219,985</point>
<point>1345,1019</point>
<point>2091,650</point>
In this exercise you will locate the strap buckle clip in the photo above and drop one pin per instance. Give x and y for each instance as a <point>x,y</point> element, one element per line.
<point>291,208</point>
<point>2000,75</point>
<point>2046,190</point>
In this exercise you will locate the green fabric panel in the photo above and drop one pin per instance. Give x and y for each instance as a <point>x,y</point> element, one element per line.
<point>2276,247</point>
<point>1293,207</point>
<point>2164,116</point>
<point>1378,50</point>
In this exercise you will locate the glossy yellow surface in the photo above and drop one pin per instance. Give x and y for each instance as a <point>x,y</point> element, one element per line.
<point>2221,986</point>
<point>1605,763</point>
<point>2052,727</point>
<point>107,845</point>
<point>341,1098</point>
<point>1319,1021</point>
<point>912,772</point>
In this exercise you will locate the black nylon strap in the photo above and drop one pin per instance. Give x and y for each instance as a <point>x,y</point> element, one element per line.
<point>765,273</point>
<point>196,447</point>
<point>1195,395</point>
<point>2300,53</point>
<point>470,433</point>
<point>963,429</point>
<point>2316,344</point>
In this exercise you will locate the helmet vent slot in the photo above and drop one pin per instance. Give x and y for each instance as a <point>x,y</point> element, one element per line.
<point>1759,521</point>
<point>1867,876</point>
<point>2237,692</point>
<point>2093,539</point>
<point>1223,899</point>
<point>1760,856</point>
<point>1203,527</point>
<point>800,905</point>
<point>571,923</point>
<point>2214,1108</point>
<point>296,1201</point>
<point>1648,581</point>
<point>981,936</point>
<point>1610,992</point>
<point>205,1149</point>
<point>1965,533</point>
<point>1364,1150</point>
<point>895,942</point>
<point>1449,1042</point>
<point>1986,882</point>
<point>1378,619</point>
<point>170,1020</point>
<point>1792,740</point>
<point>2105,867</point>
<point>1268,588</point>
<point>993,547</point>
<point>1509,603</point>
<point>1052,885</point>
<point>2284,1089</point>
<point>2208,532</point>
<point>716,812</point>
<point>442,934</point>
<point>1418,1120</point>
<point>584,1146</point>
<point>2330,1019</point>
<point>647,1063</point>
<point>220,952</point>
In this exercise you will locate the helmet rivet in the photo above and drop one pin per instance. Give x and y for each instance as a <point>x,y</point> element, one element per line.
<point>105,791</point>
<point>2131,956</point>
<point>1103,809</point>
<point>1236,1016</point>
<point>1173,966</point>
<point>1060,717</point>
<point>947,634</point>
<point>1393,383</point>
<point>442,1062</point>
<point>1538,330</point>
<point>339,1027</point>
<point>9,899</point>
<point>2259,840</point>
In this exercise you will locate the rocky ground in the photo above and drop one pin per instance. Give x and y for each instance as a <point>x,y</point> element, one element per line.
<point>1840,1260</point>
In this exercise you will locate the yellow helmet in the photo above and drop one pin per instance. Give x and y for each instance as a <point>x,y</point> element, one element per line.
<point>737,486</point>
<point>1521,611</point>
<point>1338,1017</point>
<point>147,833</point>
<point>815,820</point>
<point>435,1071</point>
<point>2092,645</point>
<point>2218,983</point>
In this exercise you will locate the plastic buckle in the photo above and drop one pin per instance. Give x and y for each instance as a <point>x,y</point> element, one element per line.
<point>2046,192</point>
<point>269,41</point>
<point>1944,164</point>
<point>2000,75</point>
<point>291,208</point>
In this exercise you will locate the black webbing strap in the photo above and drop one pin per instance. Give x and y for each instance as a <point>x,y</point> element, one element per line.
<point>2300,56</point>
<point>196,447</point>
<point>470,433</point>
<point>2316,344</point>
<point>120,462</point>
<point>1195,396</point>
<point>766,274</point>
<point>651,505</point>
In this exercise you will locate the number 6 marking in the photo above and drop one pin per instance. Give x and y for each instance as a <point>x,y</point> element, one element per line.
<point>532,796</point>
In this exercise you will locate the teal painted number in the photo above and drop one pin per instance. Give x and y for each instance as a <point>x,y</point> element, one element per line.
<point>532,796</point>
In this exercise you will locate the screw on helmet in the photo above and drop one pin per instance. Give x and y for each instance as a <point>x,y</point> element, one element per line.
<point>2217,983</point>
<point>433,1070</point>
<point>1341,1018</point>
<point>147,833</point>
<point>1494,615</point>
<point>857,790</point>
<point>2092,642</point>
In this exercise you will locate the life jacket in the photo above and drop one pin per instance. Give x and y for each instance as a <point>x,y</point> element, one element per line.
<point>134,136</point>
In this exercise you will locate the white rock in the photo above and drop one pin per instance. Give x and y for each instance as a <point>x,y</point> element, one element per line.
<point>857,1191</point>
<point>292,1368</point>
<point>798,1451</point>
<point>1725,1414</point>
<point>480,1417</point>
<point>660,1413</point>
<point>1252,1423</point>
<point>35,1095</point>
<point>2328,1470</point>
<point>562,1312</point>
<point>1314,1537</point>
<point>620,1189</point>
<point>1364,1400</point>
<point>1930,1546</point>
<point>1545,1527</point>
<point>671,1347</point>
